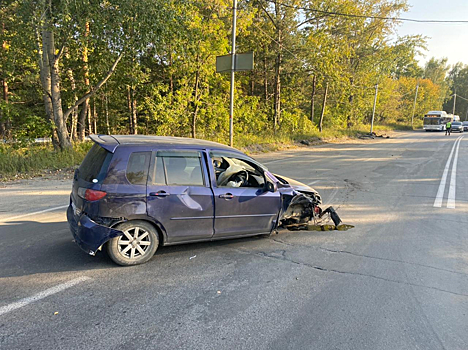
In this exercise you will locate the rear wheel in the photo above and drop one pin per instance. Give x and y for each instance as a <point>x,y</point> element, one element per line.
<point>136,246</point>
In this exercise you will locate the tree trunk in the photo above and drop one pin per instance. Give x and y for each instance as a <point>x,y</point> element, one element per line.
<point>312,99</point>
<point>171,75</point>
<point>252,83</point>
<point>74,114</point>
<point>44,74</point>
<point>107,117</point>
<point>56,99</point>
<point>134,113</point>
<point>195,112</point>
<point>323,107</point>
<point>277,101</point>
<point>132,110</point>
<point>95,116</point>
<point>265,79</point>
<point>349,122</point>
<point>85,104</point>
<point>90,125</point>
<point>129,105</point>
<point>5,123</point>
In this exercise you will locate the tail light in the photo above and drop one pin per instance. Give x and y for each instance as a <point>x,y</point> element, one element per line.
<point>90,195</point>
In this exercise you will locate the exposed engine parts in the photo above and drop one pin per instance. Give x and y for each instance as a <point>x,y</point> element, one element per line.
<point>303,212</point>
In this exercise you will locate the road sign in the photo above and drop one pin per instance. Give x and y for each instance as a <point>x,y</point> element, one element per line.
<point>243,61</point>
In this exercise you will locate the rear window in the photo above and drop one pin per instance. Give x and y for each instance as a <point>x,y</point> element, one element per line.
<point>95,164</point>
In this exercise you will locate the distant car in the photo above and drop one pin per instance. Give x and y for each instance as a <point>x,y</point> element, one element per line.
<point>457,126</point>
<point>465,125</point>
<point>132,194</point>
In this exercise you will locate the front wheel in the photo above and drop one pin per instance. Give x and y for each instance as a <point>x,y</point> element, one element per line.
<point>136,246</point>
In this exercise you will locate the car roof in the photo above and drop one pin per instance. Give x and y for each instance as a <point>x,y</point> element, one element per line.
<point>111,142</point>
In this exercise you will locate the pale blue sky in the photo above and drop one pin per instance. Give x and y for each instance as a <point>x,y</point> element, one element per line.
<point>445,40</point>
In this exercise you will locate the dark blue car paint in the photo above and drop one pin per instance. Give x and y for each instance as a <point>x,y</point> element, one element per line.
<point>188,213</point>
<point>88,234</point>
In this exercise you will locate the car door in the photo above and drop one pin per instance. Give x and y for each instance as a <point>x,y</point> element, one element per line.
<point>179,196</point>
<point>245,209</point>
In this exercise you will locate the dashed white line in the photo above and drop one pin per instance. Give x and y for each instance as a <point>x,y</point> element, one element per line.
<point>453,180</point>
<point>41,295</point>
<point>443,180</point>
<point>34,213</point>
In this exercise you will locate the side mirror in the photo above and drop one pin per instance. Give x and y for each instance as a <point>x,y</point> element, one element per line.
<point>269,187</point>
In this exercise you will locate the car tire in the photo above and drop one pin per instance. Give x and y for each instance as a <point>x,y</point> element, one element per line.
<point>136,246</point>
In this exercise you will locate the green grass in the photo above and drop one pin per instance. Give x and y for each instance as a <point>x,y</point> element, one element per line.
<point>271,142</point>
<point>34,159</point>
<point>30,160</point>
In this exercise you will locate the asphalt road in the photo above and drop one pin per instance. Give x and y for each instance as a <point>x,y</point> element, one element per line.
<point>398,280</point>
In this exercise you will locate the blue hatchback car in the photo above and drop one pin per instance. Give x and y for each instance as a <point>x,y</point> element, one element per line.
<point>132,194</point>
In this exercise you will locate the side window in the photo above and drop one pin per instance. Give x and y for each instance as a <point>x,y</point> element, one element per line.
<point>159,177</point>
<point>236,172</point>
<point>137,168</point>
<point>174,169</point>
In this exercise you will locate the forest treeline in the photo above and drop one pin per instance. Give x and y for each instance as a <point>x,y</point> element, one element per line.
<point>72,68</point>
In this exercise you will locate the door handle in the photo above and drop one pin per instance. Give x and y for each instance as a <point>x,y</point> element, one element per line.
<point>226,196</point>
<point>160,194</point>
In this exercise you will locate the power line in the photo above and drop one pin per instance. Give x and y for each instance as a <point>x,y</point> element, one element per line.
<point>463,98</point>
<point>341,14</point>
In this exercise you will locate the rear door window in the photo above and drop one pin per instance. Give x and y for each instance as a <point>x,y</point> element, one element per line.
<point>137,167</point>
<point>95,164</point>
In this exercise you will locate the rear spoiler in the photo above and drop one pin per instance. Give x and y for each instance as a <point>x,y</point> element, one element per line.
<point>108,142</point>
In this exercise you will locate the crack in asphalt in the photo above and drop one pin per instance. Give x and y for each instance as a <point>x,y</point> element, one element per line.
<point>321,268</point>
<point>369,257</point>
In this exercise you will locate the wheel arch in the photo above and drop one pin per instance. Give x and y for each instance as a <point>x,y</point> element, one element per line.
<point>161,231</point>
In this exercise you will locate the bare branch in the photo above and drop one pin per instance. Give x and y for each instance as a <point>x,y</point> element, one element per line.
<point>94,89</point>
<point>268,14</point>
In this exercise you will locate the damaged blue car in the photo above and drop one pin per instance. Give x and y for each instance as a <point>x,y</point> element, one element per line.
<point>132,194</point>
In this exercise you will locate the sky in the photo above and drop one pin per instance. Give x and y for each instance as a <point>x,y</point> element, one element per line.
<point>444,40</point>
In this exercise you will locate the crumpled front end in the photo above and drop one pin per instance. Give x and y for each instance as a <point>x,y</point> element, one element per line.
<point>301,208</point>
<point>88,234</point>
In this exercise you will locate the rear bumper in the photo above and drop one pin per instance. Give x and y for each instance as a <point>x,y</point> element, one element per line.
<point>434,127</point>
<point>88,234</point>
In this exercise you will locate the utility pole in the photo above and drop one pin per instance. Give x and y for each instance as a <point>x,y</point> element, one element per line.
<point>454,102</point>
<point>414,104</point>
<point>233,66</point>
<point>373,110</point>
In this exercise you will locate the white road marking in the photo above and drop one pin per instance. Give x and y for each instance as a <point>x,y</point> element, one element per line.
<point>443,180</point>
<point>453,180</point>
<point>34,213</point>
<point>332,196</point>
<point>313,182</point>
<point>276,160</point>
<point>41,295</point>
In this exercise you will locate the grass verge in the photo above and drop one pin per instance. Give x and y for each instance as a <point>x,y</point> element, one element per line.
<point>35,159</point>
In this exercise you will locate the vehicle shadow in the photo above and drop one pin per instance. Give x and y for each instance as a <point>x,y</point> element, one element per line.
<point>30,247</point>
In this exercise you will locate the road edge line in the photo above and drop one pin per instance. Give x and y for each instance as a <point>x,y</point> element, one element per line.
<point>41,295</point>
<point>34,213</point>
<point>443,180</point>
<point>453,179</point>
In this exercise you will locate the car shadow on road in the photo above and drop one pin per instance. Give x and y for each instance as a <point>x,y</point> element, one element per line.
<point>30,247</point>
